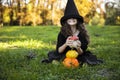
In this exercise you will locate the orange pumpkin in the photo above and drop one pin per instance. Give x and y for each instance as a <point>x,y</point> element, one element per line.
<point>70,62</point>
<point>71,54</point>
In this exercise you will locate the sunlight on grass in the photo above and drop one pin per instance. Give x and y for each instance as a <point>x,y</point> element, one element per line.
<point>7,37</point>
<point>6,29</point>
<point>12,37</point>
<point>33,44</point>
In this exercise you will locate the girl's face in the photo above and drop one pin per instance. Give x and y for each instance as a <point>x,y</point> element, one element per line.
<point>72,21</point>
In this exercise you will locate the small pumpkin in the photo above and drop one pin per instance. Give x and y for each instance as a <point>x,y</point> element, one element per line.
<point>71,54</point>
<point>70,62</point>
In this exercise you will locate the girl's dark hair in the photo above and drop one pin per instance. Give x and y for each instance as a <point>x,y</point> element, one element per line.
<point>66,30</point>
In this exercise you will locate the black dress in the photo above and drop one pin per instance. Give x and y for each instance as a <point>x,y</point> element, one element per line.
<point>86,57</point>
<point>62,39</point>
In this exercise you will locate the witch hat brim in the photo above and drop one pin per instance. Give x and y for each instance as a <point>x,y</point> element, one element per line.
<point>71,12</point>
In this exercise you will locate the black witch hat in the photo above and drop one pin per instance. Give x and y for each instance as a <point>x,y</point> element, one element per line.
<point>71,12</point>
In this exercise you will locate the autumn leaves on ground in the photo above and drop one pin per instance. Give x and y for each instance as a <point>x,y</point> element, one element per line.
<point>22,49</point>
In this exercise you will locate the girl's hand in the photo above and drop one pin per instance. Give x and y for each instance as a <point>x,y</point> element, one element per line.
<point>76,44</point>
<point>69,42</point>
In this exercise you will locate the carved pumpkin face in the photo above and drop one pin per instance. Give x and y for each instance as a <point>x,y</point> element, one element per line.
<point>70,62</point>
<point>71,54</point>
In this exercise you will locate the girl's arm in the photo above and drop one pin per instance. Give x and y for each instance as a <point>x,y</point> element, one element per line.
<point>67,43</point>
<point>80,51</point>
<point>77,45</point>
<point>62,48</point>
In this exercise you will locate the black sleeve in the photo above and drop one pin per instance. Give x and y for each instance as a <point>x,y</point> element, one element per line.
<point>84,44</point>
<point>60,40</point>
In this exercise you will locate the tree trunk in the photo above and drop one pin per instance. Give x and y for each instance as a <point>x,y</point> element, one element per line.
<point>19,13</point>
<point>11,17</point>
<point>1,15</point>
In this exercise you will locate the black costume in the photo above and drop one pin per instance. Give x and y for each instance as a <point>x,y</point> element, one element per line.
<point>86,57</point>
<point>62,39</point>
<point>72,12</point>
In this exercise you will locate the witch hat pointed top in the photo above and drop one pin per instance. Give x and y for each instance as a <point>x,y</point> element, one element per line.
<point>71,12</point>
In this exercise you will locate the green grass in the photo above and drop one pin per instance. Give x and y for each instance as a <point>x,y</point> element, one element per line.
<point>17,42</point>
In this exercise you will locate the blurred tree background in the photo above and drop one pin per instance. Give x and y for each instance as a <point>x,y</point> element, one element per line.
<point>49,12</point>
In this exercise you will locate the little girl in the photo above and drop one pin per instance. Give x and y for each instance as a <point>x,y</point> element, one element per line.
<point>72,25</point>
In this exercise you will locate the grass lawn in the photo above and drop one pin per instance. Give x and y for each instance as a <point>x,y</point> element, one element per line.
<point>18,42</point>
